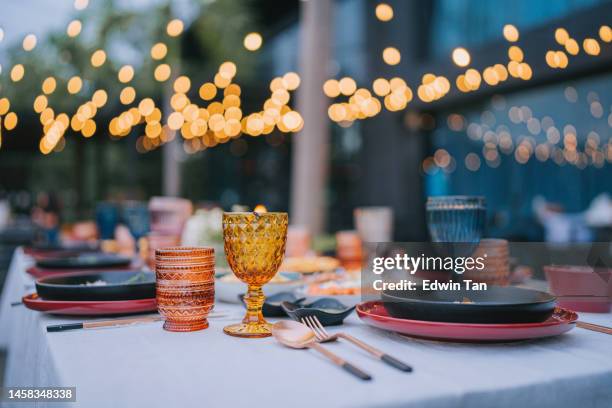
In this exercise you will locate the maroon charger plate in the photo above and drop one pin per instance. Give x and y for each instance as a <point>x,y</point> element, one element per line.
<point>374,314</point>
<point>89,308</point>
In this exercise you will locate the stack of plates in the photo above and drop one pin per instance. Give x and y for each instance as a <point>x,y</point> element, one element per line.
<point>500,313</point>
<point>94,293</point>
<point>496,259</point>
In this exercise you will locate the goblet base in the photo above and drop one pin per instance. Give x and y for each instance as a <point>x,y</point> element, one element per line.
<point>174,326</point>
<point>252,330</point>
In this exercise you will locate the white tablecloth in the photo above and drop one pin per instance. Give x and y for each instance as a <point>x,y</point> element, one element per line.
<point>145,366</point>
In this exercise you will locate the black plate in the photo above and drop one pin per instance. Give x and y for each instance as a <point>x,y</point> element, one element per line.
<point>329,311</point>
<point>497,304</point>
<point>272,305</point>
<point>84,261</point>
<point>120,285</point>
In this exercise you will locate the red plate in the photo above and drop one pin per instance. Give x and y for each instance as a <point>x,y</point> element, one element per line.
<point>374,314</point>
<point>89,308</point>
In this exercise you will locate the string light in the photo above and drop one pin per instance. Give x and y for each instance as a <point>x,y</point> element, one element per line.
<point>98,58</point>
<point>162,72</point>
<point>175,28</point>
<point>511,33</point>
<point>125,74</point>
<point>29,42</point>
<point>159,51</point>
<point>384,12</point>
<point>74,28</point>
<point>391,56</point>
<point>253,41</point>
<point>17,73</point>
<point>461,57</point>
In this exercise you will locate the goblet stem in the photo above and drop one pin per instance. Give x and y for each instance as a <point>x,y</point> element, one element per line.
<point>254,299</point>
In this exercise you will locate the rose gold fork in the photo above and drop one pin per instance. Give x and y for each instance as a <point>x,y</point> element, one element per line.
<point>323,336</point>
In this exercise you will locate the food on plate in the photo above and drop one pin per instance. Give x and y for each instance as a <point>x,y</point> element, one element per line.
<point>310,264</point>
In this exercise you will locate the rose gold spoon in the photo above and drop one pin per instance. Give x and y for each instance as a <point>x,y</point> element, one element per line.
<point>296,335</point>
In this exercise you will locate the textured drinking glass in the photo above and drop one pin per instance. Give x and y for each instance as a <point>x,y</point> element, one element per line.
<point>457,222</point>
<point>185,286</point>
<point>254,246</point>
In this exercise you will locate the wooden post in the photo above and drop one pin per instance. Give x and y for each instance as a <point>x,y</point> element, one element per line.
<point>311,145</point>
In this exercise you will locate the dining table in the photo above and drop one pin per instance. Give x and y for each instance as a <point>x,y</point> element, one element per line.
<point>142,365</point>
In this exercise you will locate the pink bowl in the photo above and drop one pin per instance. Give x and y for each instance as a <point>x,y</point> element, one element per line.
<point>581,288</point>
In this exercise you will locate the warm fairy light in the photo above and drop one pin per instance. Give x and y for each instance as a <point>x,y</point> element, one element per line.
<point>391,56</point>
<point>331,88</point>
<point>74,85</point>
<point>10,121</point>
<point>472,79</point>
<point>127,95</point>
<point>40,103</point>
<point>146,106</point>
<point>182,84</point>
<point>179,101</point>
<point>98,58</point>
<point>511,33</point>
<point>5,105</point>
<point>591,46</point>
<point>81,4</point>
<point>490,76</point>
<point>561,35</point>
<point>89,128</point>
<point>29,42</point>
<point>99,98</point>
<point>461,57</point>
<point>605,33</point>
<point>381,87</point>
<point>556,59</point>
<point>433,87</point>
<point>159,51</point>
<point>227,70</point>
<point>524,71</point>
<point>252,41</point>
<point>17,73</point>
<point>260,208</point>
<point>291,81</point>
<point>175,120</point>
<point>347,86</point>
<point>74,28</point>
<point>162,72</point>
<point>174,27</point>
<point>48,85</point>
<point>571,46</point>
<point>292,120</point>
<point>126,74</point>
<point>384,12</point>
<point>515,54</point>
<point>208,91</point>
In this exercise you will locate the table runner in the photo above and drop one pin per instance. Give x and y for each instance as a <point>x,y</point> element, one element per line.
<point>144,366</point>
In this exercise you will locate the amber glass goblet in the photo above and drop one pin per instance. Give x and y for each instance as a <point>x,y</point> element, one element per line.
<point>254,246</point>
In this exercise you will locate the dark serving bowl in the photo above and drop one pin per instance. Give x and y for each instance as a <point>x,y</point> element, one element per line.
<point>99,286</point>
<point>272,305</point>
<point>497,304</point>
<point>329,311</point>
<point>84,261</point>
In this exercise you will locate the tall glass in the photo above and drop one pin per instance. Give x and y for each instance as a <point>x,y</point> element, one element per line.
<point>254,246</point>
<point>456,223</point>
